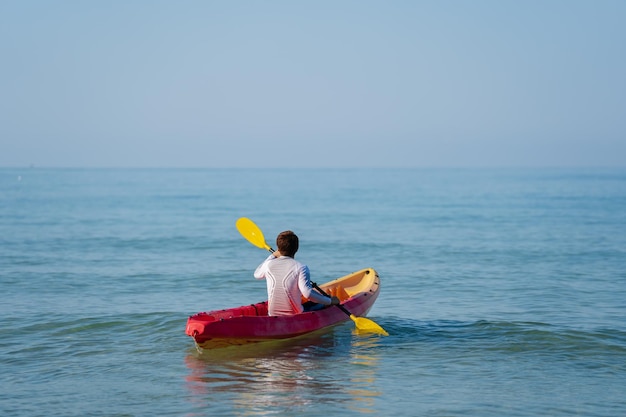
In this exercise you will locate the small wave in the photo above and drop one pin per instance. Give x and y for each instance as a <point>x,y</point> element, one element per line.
<point>510,338</point>
<point>55,335</point>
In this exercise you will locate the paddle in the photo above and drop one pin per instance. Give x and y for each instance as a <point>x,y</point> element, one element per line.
<point>254,235</point>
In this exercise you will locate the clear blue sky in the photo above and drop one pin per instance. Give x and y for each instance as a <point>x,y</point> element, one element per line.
<point>312,83</point>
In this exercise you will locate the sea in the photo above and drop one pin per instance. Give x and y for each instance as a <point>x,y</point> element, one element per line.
<point>503,291</point>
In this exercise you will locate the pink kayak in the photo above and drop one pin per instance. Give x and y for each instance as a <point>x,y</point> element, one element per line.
<point>251,324</point>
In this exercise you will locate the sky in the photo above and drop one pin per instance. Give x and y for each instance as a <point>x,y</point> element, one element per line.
<point>354,83</point>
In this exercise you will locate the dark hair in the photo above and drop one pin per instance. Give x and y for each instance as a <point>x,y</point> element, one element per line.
<point>287,243</point>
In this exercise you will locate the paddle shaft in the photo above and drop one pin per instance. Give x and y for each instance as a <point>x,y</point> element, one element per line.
<point>342,308</point>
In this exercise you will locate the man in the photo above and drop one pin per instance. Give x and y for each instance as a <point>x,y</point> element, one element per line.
<point>289,280</point>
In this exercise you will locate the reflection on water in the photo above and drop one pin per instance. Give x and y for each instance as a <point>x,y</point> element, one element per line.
<point>334,367</point>
<point>364,361</point>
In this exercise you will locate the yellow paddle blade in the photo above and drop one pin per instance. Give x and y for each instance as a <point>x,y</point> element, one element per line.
<point>367,325</point>
<point>252,233</point>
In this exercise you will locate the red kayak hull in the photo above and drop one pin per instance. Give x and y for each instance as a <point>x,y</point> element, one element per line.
<point>249,324</point>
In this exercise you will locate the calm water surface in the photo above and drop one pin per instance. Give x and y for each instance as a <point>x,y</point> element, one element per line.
<point>502,290</point>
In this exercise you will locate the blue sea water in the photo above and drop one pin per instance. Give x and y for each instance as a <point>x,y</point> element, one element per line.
<point>503,290</point>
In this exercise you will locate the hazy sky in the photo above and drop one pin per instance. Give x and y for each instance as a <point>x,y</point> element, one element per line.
<point>312,83</point>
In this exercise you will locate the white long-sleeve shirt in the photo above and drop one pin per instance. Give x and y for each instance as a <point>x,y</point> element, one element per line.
<point>287,281</point>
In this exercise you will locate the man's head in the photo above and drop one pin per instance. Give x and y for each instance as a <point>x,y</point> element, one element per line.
<point>287,243</point>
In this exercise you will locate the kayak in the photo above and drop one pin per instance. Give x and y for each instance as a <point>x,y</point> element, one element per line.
<point>251,324</point>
